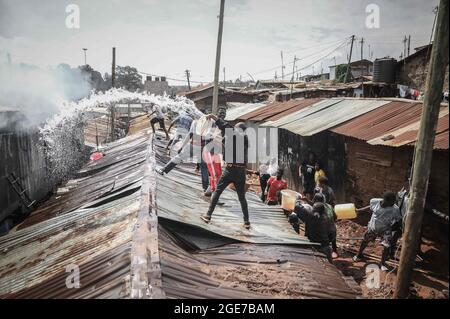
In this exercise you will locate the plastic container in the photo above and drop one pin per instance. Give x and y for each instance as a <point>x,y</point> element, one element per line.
<point>345,211</point>
<point>288,198</point>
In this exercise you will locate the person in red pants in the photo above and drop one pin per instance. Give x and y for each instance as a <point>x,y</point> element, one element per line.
<point>212,154</point>
<point>214,164</point>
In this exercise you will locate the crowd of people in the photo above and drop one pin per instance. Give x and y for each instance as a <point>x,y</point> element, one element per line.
<point>203,141</point>
<point>315,209</point>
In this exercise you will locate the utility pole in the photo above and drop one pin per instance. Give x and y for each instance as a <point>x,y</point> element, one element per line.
<point>409,43</point>
<point>435,11</point>
<point>113,68</point>
<point>224,79</point>
<point>424,150</point>
<point>362,66</point>
<point>405,40</point>
<point>215,105</point>
<point>292,78</point>
<point>188,74</point>
<point>113,82</point>
<point>362,49</point>
<point>85,49</point>
<point>282,66</point>
<point>349,60</point>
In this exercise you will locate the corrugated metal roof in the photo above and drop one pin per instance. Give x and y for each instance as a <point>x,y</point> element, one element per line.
<point>89,225</point>
<point>300,114</point>
<point>229,264</point>
<point>101,234</point>
<point>239,109</point>
<point>277,110</point>
<point>326,114</point>
<point>394,124</point>
<point>242,270</point>
<point>269,225</point>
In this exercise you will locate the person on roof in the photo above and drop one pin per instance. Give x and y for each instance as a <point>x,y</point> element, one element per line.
<point>316,224</point>
<point>183,124</point>
<point>275,185</point>
<point>212,155</point>
<point>191,148</point>
<point>158,118</point>
<point>235,170</point>
<point>385,215</point>
<point>332,217</point>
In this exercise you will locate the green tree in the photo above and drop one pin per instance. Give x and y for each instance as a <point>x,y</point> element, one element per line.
<point>341,70</point>
<point>128,78</point>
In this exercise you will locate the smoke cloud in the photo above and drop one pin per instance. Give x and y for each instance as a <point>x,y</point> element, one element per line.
<point>39,93</point>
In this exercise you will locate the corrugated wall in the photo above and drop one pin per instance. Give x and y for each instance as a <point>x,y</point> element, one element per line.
<point>329,149</point>
<point>21,155</point>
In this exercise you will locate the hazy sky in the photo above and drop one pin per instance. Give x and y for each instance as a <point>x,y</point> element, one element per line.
<point>166,37</point>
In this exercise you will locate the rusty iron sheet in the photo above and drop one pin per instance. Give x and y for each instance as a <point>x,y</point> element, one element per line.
<point>39,254</point>
<point>243,270</point>
<point>121,167</point>
<point>277,110</point>
<point>394,124</point>
<point>179,197</point>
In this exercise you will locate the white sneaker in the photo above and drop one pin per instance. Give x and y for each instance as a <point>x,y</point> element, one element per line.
<point>356,258</point>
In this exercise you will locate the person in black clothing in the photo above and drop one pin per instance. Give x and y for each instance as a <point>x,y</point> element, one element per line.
<point>235,169</point>
<point>317,224</point>
<point>326,190</point>
<point>307,171</point>
<point>332,217</point>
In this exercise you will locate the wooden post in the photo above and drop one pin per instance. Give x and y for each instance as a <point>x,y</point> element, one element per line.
<point>113,81</point>
<point>113,68</point>
<point>424,151</point>
<point>349,60</point>
<point>188,80</point>
<point>292,78</point>
<point>112,122</point>
<point>409,44</point>
<point>215,105</point>
<point>362,67</point>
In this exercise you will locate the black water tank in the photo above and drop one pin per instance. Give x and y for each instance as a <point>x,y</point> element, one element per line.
<point>384,70</point>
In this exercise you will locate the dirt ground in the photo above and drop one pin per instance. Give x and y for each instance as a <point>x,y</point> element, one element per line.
<point>430,278</point>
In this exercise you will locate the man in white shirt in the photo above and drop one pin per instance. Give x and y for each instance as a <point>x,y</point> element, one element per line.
<point>385,215</point>
<point>158,118</point>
